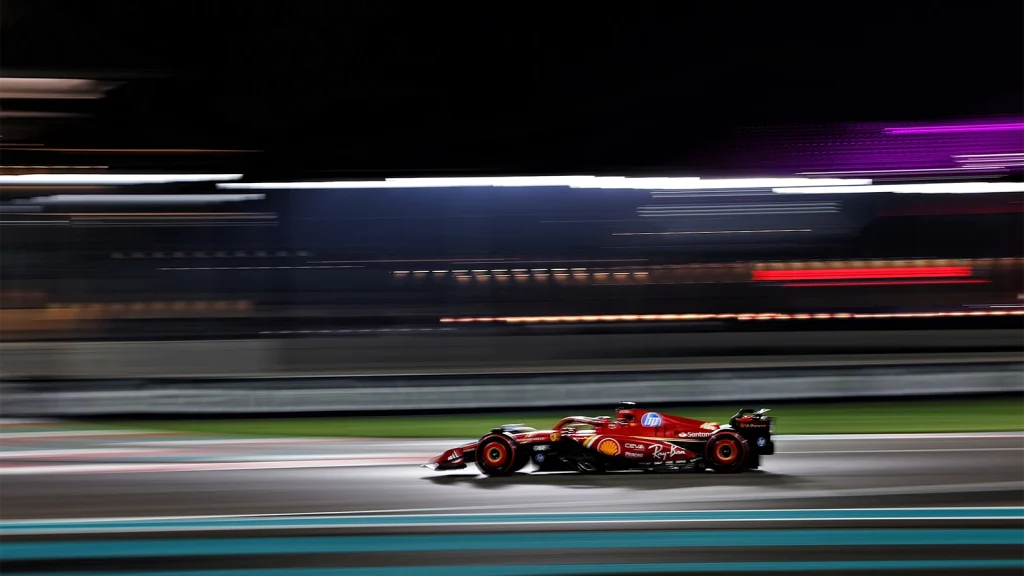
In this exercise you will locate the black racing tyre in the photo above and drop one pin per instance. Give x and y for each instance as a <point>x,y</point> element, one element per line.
<point>726,452</point>
<point>496,455</point>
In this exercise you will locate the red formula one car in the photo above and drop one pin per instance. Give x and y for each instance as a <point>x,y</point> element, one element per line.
<point>634,439</point>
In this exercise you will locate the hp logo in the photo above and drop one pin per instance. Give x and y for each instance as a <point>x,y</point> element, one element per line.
<point>651,419</point>
<point>761,442</point>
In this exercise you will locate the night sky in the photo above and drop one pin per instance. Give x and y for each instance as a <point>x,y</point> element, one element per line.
<point>496,86</point>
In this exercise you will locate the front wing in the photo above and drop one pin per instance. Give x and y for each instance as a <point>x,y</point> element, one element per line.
<point>454,458</point>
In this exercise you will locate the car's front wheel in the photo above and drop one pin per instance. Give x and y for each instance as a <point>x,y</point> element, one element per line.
<point>496,455</point>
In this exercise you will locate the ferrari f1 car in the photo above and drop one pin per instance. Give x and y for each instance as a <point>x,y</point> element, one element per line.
<point>634,439</point>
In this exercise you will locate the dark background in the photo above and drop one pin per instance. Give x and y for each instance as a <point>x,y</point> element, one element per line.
<point>534,86</point>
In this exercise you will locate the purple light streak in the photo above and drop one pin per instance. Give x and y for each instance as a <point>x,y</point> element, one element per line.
<point>988,146</point>
<point>957,128</point>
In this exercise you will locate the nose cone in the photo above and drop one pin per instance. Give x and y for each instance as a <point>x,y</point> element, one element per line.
<point>448,460</point>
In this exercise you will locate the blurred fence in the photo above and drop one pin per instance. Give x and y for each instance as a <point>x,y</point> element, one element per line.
<point>468,351</point>
<point>153,397</point>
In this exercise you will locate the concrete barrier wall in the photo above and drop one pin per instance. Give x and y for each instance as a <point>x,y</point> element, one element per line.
<point>446,352</point>
<point>270,395</point>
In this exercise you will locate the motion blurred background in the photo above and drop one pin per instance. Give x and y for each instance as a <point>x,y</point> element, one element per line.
<point>257,172</point>
<point>212,208</point>
<point>128,148</point>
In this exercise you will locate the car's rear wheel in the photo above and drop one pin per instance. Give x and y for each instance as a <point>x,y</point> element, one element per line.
<point>496,455</point>
<point>726,452</point>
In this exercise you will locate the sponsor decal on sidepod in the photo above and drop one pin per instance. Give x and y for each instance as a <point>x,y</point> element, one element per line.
<point>609,447</point>
<point>659,452</point>
<point>651,419</point>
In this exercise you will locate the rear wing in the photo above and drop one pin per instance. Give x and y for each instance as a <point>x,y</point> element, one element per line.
<point>749,414</point>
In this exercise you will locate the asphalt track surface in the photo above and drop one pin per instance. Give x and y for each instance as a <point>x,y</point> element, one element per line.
<point>859,504</point>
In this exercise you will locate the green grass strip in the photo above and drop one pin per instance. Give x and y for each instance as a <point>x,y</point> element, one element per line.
<point>960,415</point>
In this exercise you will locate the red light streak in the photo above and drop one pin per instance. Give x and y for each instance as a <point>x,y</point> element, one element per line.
<point>747,316</point>
<point>882,283</point>
<point>861,273</point>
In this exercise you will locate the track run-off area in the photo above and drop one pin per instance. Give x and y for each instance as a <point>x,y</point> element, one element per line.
<point>115,501</point>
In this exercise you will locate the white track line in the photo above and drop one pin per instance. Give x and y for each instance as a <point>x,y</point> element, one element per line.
<point>416,512</point>
<point>374,522</point>
<point>200,466</point>
<point>64,453</point>
<point>296,440</point>
<point>908,451</point>
<point>74,433</point>
<point>59,453</point>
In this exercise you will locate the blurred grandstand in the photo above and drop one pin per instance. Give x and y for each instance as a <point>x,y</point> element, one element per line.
<point>889,224</point>
<point>97,252</point>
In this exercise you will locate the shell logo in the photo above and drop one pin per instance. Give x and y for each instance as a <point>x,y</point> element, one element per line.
<point>608,447</point>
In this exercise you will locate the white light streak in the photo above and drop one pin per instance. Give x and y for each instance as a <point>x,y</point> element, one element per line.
<point>146,199</point>
<point>592,182</point>
<point>113,179</point>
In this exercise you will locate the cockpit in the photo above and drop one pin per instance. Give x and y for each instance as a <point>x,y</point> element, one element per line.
<point>625,413</point>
